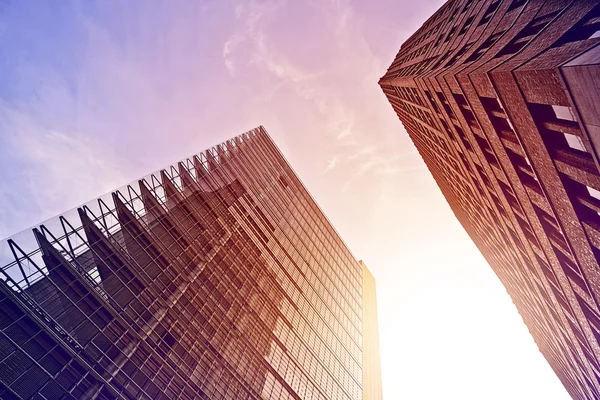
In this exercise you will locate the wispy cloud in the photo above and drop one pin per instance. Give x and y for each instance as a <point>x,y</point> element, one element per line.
<point>58,166</point>
<point>228,48</point>
<point>368,151</point>
<point>370,161</point>
<point>341,122</point>
<point>348,138</point>
<point>109,94</point>
<point>332,163</point>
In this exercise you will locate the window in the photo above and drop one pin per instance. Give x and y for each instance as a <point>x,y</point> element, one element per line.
<point>450,34</point>
<point>561,136</point>
<point>468,23</point>
<point>283,182</point>
<point>458,55</point>
<point>490,11</point>
<point>574,141</point>
<point>499,119</point>
<point>593,192</point>
<point>527,34</point>
<point>564,113</point>
<point>587,28</point>
<point>585,200</point>
<point>516,4</point>
<point>484,46</point>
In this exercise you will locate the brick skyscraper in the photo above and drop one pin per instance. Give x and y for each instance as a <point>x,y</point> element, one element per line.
<point>502,100</point>
<point>216,278</point>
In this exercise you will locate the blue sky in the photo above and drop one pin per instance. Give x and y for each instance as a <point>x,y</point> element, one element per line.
<point>94,94</point>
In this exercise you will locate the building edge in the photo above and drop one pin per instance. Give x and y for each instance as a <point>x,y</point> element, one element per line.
<point>371,384</point>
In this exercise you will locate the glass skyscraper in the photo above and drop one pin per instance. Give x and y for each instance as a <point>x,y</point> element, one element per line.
<point>216,278</point>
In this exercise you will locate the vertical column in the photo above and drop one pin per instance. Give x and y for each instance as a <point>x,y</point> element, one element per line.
<point>370,347</point>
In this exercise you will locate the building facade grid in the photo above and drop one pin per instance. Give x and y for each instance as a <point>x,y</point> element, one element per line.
<point>218,277</point>
<point>501,98</point>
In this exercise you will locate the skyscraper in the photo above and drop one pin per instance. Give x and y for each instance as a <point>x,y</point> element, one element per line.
<point>501,98</point>
<point>216,278</point>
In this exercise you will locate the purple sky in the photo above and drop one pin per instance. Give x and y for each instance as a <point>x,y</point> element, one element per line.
<point>96,94</point>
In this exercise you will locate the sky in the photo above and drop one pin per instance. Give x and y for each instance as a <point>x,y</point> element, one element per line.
<point>95,94</point>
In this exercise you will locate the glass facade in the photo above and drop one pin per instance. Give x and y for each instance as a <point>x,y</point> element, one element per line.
<point>216,278</point>
<point>371,363</point>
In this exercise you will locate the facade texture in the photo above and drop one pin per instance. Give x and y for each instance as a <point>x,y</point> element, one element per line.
<point>216,278</point>
<point>371,362</point>
<point>502,100</point>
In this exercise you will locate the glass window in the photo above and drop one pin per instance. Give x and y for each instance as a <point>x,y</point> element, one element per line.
<point>574,141</point>
<point>563,112</point>
<point>593,192</point>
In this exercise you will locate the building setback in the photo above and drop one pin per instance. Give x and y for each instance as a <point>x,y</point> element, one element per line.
<point>216,278</point>
<point>501,98</point>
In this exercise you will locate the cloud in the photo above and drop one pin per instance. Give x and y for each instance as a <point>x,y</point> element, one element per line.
<point>251,34</point>
<point>58,167</point>
<point>332,163</point>
<point>370,161</point>
<point>341,122</point>
<point>260,49</point>
<point>128,93</point>
<point>228,49</point>
<point>367,151</point>
<point>91,99</point>
<point>347,135</point>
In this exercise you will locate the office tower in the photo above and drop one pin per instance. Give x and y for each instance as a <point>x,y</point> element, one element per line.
<point>215,278</point>
<point>501,98</point>
<point>371,363</point>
